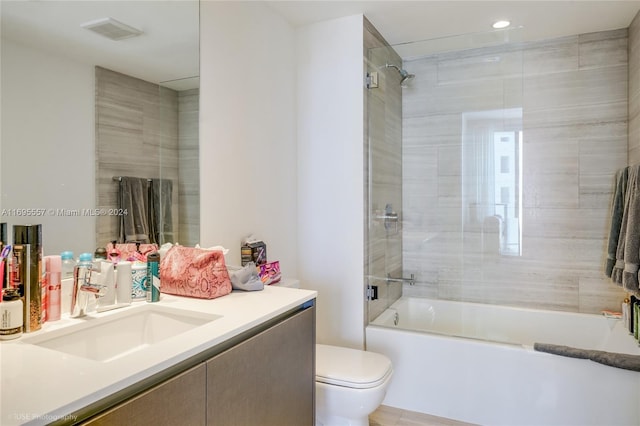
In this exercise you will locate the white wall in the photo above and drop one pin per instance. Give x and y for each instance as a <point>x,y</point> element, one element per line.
<point>330,175</point>
<point>247,130</point>
<point>284,159</point>
<point>48,144</point>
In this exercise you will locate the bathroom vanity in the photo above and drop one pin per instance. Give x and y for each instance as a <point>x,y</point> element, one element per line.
<point>245,358</point>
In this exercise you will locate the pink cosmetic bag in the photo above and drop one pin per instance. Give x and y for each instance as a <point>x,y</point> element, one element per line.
<point>269,272</point>
<point>194,272</point>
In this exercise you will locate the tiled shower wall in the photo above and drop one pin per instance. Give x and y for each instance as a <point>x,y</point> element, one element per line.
<point>383,169</point>
<point>573,94</point>
<point>188,167</point>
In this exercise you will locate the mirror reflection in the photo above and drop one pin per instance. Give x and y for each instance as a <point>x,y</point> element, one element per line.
<point>81,111</point>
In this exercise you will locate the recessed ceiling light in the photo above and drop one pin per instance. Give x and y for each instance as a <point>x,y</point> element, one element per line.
<point>501,24</point>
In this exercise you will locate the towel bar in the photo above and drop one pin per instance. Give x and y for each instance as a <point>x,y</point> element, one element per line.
<point>119,179</point>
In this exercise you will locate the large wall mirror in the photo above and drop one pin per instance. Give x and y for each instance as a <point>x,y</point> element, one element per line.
<point>83,107</point>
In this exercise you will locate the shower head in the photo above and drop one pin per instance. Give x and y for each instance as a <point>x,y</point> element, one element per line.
<point>404,74</point>
<point>406,77</point>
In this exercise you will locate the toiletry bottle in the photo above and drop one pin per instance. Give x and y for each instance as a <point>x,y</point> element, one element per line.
<point>14,275</point>
<point>153,277</point>
<point>68,263</point>
<point>625,311</point>
<point>10,314</point>
<point>4,266</point>
<point>632,313</point>
<point>139,281</point>
<point>28,244</point>
<point>4,270</point>
<point>55,288</point>
<point>636,315</point>
<point>100,254</point>
<point>123,282</point>
<point>44,283</point>
<point>107,284</point>
<point>81,278</point>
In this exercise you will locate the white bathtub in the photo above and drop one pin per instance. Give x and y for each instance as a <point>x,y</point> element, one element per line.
<point>475,363</point>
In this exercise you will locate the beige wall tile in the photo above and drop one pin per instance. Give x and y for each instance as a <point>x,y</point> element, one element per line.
<point>574,96</point>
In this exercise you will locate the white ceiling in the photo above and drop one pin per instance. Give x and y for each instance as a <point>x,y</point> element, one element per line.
<point>411,21</point>
<point>168,49</point>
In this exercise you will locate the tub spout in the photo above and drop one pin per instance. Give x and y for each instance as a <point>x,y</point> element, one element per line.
<point>411,280</point>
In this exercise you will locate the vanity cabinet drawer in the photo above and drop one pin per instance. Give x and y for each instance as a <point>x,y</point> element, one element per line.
<point>178,401</point>
<point>267,380</point>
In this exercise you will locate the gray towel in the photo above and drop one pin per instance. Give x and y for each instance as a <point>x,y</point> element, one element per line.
<point>617,210</point>
<point>632,237</point>
<point>160,217</point>
<point>246,279</point>
<point>133,195</point>
<point>624,237</point>
<point>612,359</point>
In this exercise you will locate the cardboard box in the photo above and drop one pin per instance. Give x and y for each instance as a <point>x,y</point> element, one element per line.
<point>254,251</point>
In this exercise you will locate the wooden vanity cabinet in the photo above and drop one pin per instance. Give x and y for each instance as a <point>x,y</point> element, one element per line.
<point>266,379</point>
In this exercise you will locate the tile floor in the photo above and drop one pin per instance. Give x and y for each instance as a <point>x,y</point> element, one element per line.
<point>389,416</point>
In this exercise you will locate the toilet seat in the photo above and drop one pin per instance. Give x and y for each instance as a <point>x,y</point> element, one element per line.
<point>351,368</point>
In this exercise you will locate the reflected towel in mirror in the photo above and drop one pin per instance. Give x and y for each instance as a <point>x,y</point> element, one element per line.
<point>133,197</point>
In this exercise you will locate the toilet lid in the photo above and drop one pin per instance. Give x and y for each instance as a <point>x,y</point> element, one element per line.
<point>351,367</point>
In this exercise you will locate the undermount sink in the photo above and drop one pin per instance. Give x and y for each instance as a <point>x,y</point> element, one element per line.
<point>109,337</point>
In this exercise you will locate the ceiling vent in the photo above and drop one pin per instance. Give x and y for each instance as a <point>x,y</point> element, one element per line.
<point>111,29</point>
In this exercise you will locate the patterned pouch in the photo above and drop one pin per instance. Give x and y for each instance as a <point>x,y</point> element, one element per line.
<point>194,272</point>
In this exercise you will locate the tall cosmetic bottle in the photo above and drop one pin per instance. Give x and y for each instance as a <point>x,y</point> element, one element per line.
<point>27,251</point>
<point>4,275</point>
<point>54,281</point>
<point>153,277</point>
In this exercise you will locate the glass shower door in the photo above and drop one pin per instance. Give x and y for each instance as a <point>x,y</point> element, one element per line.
<point>383,168</point>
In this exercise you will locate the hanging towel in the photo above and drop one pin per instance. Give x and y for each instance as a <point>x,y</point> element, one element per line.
<point>632,238</point>
<point>133,196</point>
<point>617,210</point>
<point>160,217</point>
<point>625,271</point>
<point>618,268</point>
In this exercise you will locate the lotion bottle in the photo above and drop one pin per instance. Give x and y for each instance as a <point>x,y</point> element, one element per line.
<point>10,314</point>
<point>68,263</point>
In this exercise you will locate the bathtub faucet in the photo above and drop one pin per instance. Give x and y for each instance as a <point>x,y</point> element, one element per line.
<point>411,280</point>
<point>396,316</point>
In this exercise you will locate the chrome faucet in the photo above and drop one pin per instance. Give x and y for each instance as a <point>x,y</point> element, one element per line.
<point>411,280</point>
<point>83,289</point>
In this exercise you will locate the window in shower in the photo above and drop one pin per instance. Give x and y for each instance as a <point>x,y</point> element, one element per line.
<point>492,179</point>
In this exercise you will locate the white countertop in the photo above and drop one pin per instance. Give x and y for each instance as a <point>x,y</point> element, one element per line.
<point>39,385</point>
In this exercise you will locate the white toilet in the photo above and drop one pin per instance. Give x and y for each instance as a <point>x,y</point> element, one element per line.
<point>350,385</point>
